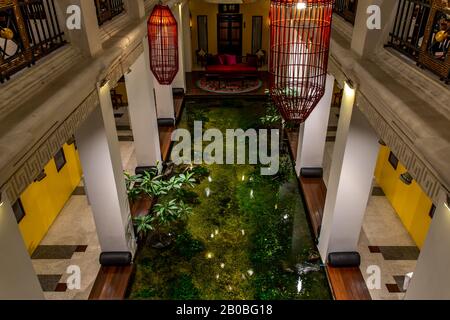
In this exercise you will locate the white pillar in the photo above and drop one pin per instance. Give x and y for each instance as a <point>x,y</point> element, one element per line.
<point>164,100</point>
<point>187,37</point>
<point>180,79</point>
<point>162,93</point>
<point>431,279</point>
<point>135,9</point>
<point>141,106</point>
<point>366,41</point>
<point>18,280</point>
<point>87,39</point>
<point>350,183</point>
<point>99,151</point>
<point>313,132</point>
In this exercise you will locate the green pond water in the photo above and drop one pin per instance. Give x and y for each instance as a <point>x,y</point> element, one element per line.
<point>248,236</point>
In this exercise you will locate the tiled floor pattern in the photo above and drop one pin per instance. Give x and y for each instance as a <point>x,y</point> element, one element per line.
<point>72,241</point>
<point>384,241</point>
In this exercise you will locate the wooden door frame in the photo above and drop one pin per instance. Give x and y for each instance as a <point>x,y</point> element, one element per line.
<point>240,15</point>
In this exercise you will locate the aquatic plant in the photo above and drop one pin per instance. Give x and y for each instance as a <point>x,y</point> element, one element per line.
<point>187,246</point>
<point>182,288</point>
<point>272,116</point>
<point>246,233</point>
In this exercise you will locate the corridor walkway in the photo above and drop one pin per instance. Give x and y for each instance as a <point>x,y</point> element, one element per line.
<point>72,242</point>
<point>384,241</point>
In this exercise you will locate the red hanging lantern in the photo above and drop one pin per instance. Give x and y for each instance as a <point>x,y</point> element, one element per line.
<point>163,43</point>
<point>299,42</point>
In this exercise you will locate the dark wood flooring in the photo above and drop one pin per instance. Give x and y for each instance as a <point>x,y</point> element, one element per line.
<point>348,284</point>
<point>111,283</point>
<point>314,191</point>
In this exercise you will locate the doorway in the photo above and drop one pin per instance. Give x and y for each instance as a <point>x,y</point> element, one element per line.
<point>229,34</point>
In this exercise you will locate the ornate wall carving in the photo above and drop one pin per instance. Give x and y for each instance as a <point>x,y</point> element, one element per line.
<point>40,154</point>
<point>418,169</point>
<point>50,145</point>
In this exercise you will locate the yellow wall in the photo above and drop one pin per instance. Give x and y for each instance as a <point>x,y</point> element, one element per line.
<point>43,200</point>
<point>259,8</point>
<point>409,201</point>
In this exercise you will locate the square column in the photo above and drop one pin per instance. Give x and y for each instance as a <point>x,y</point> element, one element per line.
<point>163,95</point>
<point>87,39</point>
<point>135,8</point>
<point>431,279</point>
<point>350,183</point>
<point>365,41</point>
<point>180,79</point>
<point>187,37</point>
<point>18,280</point>
<point>142,109</point>
<point>99,150</point>
<point>313,132</point>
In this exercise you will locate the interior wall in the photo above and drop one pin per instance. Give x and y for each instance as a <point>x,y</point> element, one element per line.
<point>44,200</point>
<point>409,201</point>
<point>258,8</point>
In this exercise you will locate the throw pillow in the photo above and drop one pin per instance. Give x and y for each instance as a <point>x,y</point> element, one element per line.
<point>230,59</point>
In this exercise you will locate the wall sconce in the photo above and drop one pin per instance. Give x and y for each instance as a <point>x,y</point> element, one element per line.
<point>42,175</point>
<point>71,141</point>
<point>350,83</point>
<point>406,178</point>
<point>104,82</point>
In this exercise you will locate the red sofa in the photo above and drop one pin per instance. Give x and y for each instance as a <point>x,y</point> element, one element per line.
<point>231,64</point>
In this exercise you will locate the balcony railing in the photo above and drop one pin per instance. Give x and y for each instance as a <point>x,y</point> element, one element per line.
<point>29,30</point>
<point>346,9</point>
<point>108,9</point>
<point>421,31</point>
<point>409,27</point>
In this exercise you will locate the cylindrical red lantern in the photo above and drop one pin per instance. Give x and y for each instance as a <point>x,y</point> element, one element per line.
<point>163,43</point>
<point>299,43</point>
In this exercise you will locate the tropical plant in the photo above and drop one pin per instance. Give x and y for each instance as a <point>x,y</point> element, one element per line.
<point>272,115</point>
<point>144,224</point>
<point>170,191</point>
<point>168,212</point>
<point>133,186</point>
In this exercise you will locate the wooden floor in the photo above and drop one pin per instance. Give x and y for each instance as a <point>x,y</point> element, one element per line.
<point>346,283</point>
<point>112,282</point>
<point>165,134</point>
<point>314,191</point>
